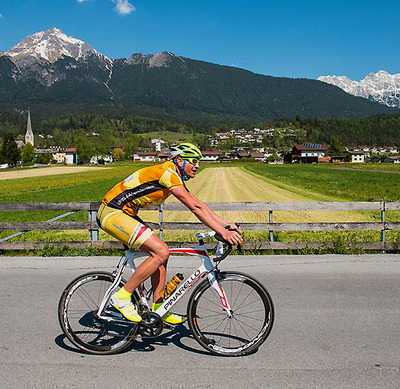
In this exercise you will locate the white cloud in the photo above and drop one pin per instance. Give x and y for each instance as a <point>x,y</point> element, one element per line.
<point>124,7</point>
<point>1,16</point>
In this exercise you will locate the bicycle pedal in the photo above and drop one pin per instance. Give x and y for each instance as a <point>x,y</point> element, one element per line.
<point>114,313</point>
<point>171,326</point>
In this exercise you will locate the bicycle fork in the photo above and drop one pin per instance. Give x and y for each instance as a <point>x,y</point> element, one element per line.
<point>221,293</point>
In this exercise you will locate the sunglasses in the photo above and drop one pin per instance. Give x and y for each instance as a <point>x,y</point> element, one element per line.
<point>193,161</point>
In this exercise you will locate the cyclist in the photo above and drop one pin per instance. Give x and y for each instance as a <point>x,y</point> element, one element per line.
<point>117,215</point>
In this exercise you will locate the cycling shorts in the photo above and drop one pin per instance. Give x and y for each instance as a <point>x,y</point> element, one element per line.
<point>130,230</point>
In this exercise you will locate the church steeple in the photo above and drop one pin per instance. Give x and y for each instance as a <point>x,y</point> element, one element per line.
<point>29,138</point>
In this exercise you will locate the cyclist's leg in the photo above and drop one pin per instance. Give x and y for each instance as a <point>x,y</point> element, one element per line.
<point>133,233</point>
<point>158,280</point>
<point>154,265</point>
<point>158,256</point>
<point>136,235</point>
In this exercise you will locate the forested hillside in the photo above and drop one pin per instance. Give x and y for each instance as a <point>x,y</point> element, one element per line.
<point>379,130</point>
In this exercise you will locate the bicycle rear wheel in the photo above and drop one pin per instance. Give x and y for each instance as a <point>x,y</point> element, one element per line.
<point>251,320</point>
<point>76,313</point>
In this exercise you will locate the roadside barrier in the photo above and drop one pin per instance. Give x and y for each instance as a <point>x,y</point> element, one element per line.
<point>268,207</point>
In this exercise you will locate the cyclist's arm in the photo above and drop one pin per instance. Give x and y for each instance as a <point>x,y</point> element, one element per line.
<point>205,214</point>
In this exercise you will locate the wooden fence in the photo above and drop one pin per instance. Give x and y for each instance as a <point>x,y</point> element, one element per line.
<point>162,225</point>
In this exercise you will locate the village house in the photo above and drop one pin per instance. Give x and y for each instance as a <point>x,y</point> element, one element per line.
<point>101,159</point>
<point>392,150</point>
<point>355,157</point>
<point>159,143</point>
<point>71,157</point>
<point>326,159</point>
<point>239,154</point>
<point>222,135</point>
<point>257,156</point>
<point>163,155</point>
<point>59,156</point>
<point>211,156</point>
<point>39,152</point>
<point>392,159</point>
<point>146,156</point>
<point>307,153</point>
<point>338,158</point>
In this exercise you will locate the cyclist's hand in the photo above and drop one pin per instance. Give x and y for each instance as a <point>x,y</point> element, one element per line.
<point>235,226</point>
<point>232,236</point>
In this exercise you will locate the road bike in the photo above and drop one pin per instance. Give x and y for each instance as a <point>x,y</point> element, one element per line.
<point>229,313</point>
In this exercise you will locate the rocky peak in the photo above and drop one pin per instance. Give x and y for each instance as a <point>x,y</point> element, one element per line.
<point>51,45</point>
<point>381,87</point>
<point>162,59</point>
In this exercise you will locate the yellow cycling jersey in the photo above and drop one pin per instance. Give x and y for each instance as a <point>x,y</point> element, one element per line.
<point>150,185</point>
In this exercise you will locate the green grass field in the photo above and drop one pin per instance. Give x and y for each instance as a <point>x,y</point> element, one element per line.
<point>366,183</point>
<point>312,182</point>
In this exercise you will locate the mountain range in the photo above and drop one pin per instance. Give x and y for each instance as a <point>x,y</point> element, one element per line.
<point>380,87</point>
<point>57,74</point>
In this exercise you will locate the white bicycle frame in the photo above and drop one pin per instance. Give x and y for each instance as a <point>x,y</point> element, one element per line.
<point>206,267</point>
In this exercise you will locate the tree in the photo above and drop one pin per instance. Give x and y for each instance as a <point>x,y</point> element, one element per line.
<point>84,149</point>
<point>336,147</point>
<point>118,154</point>
<point>27,153</point>
<point>45,158</point>
<point>273,158</point>
<point>10,152</point>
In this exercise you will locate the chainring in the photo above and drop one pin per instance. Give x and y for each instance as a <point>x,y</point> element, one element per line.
<point>151,325</point>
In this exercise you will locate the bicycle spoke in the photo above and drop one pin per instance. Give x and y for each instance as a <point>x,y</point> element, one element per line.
<point>237,294</point>
<point>77,316</point>
<point>244,299</point>
<point>245,323</point>
<point>215,322</point>
<point>247,305</point>
<point>83,293</point>
<point>250,317</point>
<point>245,330</point>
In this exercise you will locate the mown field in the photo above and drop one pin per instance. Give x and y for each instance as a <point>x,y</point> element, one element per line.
<point>351,182</point>
<point>232,182</point>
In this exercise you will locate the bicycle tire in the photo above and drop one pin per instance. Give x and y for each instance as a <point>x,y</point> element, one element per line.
<point>248,327</point>
<point>78,303</point>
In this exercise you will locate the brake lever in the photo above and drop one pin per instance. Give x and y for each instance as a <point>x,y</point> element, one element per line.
<point>238,247</point>
<point>226,245</point>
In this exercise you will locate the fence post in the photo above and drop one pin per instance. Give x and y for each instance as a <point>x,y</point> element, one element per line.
<point>383,219</point>
<point>161,220</point>
<point>271,233</point>
<point>93,234</point>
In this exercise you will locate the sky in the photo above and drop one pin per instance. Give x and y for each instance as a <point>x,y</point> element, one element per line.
<point>282,38</point>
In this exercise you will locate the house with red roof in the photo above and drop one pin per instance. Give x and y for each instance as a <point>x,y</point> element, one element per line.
<point>211,156</point>
<point>307,153</point>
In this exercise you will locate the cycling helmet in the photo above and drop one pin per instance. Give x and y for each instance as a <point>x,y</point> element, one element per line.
<point>185,150</point>
<point>188,152</point>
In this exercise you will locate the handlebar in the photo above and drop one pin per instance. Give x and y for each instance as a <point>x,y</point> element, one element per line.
<point>226,246</point>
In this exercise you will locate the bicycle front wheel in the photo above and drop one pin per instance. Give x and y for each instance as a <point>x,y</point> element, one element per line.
<point>77,310</point>
<point>248,325</point>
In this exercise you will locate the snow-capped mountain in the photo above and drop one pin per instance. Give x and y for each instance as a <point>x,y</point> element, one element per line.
<point>381,87</point>
<point>52,72</point>
<point>52,45</point>
<point>37,56</point>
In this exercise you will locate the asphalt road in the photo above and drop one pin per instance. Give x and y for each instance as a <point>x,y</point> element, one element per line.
<point>337,325</point>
